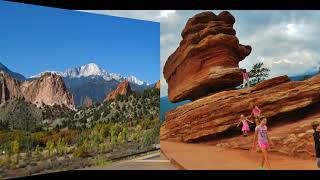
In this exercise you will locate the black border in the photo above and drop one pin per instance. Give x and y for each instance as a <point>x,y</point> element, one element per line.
<point>181,174</point>
<point>177,4</point>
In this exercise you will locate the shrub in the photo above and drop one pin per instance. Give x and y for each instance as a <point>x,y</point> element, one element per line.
<point>50,148</point>
<point>61,146</point>
<point>5,161</point>
<point>37,153</point>
<point>39,138</point>
<point>121,139</point>
<point>82,151</point>
<point>101,162</point>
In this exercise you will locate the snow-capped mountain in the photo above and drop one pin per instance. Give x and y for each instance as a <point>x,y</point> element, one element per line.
<point>93,70</point>
<point>94,82</point>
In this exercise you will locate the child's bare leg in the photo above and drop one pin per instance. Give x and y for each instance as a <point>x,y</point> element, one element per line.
<point>262,161</point>
<point>266,158</point>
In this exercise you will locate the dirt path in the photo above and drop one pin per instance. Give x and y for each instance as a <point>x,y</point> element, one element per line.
<point>208,157</point>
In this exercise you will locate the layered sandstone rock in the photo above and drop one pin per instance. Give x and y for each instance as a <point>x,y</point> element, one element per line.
<point>157,85</point>
<point>207,59</point>
<point>292,137</point>
<point>220,112</point>
<point>122,89</point>
<point>49,89</point>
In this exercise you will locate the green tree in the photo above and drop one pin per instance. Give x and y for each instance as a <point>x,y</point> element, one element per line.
<point>61,147</point>
<point>258,73</point>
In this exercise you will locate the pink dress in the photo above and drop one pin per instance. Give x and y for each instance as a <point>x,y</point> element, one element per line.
<point>245,126</point>
<point>245,75</point>
<point>256,112</point>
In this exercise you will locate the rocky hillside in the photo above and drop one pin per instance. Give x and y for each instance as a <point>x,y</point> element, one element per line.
<point>124,108</point>
<point>216,107</point>
<point>18,114</point>
<point>49,89</point>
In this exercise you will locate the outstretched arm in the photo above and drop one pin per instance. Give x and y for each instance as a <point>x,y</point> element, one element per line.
<point>238,123</point>
<point>250,121</point>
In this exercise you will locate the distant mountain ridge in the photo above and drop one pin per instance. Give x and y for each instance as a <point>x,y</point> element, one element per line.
<point>92,70</point>
<point>87,81</point>
<point>15,75</point>
<point>91,81</point>
<point>304,76</point>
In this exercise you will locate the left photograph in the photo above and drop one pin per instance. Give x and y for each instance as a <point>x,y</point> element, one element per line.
<point>77,90</point>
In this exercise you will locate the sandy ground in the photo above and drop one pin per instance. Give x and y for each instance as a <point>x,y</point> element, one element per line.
<point>208,157</point>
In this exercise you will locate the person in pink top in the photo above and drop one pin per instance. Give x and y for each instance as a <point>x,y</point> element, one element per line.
<point>245,126</point>
<point>245,76</point>
<point>256,112</point>
<point>262,139</point>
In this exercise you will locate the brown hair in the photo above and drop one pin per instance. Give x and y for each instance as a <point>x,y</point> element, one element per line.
<point>314,125</point>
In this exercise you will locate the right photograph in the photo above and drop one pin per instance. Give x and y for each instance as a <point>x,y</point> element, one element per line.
<point>240,90</point>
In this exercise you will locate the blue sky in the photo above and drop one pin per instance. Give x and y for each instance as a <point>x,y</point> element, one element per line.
<point>35,39</point>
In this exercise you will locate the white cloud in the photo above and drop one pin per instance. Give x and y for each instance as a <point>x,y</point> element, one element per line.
<point>286,41</point>
<point>166,13</point>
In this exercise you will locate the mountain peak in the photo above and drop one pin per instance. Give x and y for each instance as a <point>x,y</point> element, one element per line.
<point>90,69</point>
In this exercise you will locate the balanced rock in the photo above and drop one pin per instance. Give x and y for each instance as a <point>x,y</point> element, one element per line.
<point>122,89</point>
<point>220,112</point>
<point>207,59</point>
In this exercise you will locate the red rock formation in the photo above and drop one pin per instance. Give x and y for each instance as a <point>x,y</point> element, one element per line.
<point>157,85</point>
<point>122,89</point>
<point>207,59</point>
<point>49,89</point>
<point>88,102</point>
<point>220,112</point>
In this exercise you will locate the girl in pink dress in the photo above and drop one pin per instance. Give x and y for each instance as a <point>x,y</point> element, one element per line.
<point>262,139</point>
<point>245,126</point>
<point>256,112</point>
<point>245,77</point>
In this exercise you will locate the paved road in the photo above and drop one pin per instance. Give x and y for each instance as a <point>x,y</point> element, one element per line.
<point>154,161</point>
